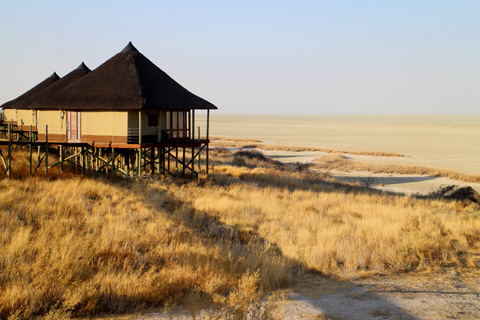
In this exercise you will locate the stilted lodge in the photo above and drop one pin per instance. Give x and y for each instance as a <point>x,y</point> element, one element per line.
<point>127,116</point>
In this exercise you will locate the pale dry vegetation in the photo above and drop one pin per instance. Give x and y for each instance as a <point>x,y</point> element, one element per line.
<point>340,162</point>
<point>78,246</point>
<point>223,142</point>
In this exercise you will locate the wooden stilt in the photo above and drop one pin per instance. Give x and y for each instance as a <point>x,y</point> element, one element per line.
<point>30,151</point>
<point>20,135</point>
<point>176,162</point>
<point>61,158</point>
<point>139,164</point>
<point>96,160</point>
<point>193,124</point>
<point>38,158</point>
<point>183,158</point>
<point>9,169</point>
<point>193,162</point>
<point>152,161</point>
<point>159,163</point>
<point>208,137</point>
<point>168,160</point>
<point>113,162</point>
<point>46,149</point>
<point>199,160</point>
<point>87,162</point>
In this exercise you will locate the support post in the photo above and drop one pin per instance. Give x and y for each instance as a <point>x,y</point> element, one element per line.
<point>208,137</point>
<point>199,159</point>
<point>159,163</point>
<point>176,162</point>
<point>139,162</point>
<point>30,151</point>
<point>96,159</point>
<point>183,162</point>
<point>193,124</point>
<point>168,160</point>
<point>113,162</point>
<point>20,135</point>
<point>39,149</point>
<point>46,149</point>
<point>61,158</point>
<point>152,161</point>
<point>193,162</point>
<point>9,169</point>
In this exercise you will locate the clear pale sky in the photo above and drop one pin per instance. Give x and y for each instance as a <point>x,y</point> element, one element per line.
<point>374,57</point>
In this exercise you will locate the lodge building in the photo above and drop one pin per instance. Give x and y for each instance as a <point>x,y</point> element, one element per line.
<point>125,103</point>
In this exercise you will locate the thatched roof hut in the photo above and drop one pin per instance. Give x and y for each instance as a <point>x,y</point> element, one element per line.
<point>126,100</point>
<point>32,101</point>
<point>127,81</point>
<point>32,92</point>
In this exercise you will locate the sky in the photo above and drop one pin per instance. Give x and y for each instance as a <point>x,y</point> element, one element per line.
<point>307,57</point>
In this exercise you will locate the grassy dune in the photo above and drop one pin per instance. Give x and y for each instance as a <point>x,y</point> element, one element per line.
<point>79,246</point>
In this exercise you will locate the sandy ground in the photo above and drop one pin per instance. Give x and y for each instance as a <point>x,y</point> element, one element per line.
<point>436,141</point>
<point>402,183</point>
<point>445,294</point>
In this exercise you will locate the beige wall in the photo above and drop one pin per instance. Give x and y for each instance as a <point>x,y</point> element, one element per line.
<point>27,116</point>
<point>9,115</point>
<point>55,120</point>
<point>104,123</point>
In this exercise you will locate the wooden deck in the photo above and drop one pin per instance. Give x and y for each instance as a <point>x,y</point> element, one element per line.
<point>173,157</point>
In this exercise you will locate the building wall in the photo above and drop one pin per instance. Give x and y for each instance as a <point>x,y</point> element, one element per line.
<point>96,126</point>
<point>56,121</point>
<point>100,127</point>
<point>17,116</point>
<point>110,127</point>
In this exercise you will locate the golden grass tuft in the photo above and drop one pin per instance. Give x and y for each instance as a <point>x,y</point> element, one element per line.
<point>80,246</point>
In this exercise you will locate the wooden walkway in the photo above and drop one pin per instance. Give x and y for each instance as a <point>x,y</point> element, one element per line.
<point>134,161</point>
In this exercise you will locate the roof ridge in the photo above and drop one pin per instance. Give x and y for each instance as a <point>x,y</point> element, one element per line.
<point>129,48</point>
<point>83,66</point>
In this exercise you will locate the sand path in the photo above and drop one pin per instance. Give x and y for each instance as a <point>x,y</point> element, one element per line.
<point>445,294</point>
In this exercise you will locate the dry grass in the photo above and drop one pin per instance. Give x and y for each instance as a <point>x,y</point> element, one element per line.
<point>342,163</point>
<point>76,246</point>
<point>253,143</point>
<point>82,246</point>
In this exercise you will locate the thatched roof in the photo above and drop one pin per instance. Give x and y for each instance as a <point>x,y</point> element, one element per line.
<point>127,81</point>
<point>30,93</point>
<point>34,101</point>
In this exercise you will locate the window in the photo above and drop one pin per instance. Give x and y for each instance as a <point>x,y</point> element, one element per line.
<point>152,119</point>
<point>177,124</point>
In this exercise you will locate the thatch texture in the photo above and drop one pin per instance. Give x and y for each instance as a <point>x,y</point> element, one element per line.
<point>127,81</point>
<point>32,92</point>
<point>32,102</point>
